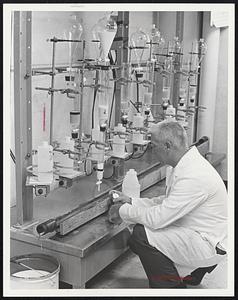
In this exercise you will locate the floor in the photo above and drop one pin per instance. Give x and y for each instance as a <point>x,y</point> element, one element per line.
<point>127,272</point>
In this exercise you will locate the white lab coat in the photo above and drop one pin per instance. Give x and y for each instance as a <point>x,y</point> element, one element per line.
<point>192,218</point>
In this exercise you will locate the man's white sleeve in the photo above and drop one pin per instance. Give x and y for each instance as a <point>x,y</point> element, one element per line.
<point>147,202</point>
<point>186,195</point>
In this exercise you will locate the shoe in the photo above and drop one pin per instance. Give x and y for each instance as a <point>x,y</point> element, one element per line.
<point>196,276</point>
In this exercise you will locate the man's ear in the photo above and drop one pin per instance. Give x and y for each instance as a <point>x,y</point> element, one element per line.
<point>168,145</point>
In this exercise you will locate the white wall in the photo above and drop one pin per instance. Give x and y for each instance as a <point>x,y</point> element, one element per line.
<point>213,90</point>
<point>167,24</point>
<point>220,132</point>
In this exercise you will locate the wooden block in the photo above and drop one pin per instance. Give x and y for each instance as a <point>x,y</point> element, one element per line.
<point>85,214</point>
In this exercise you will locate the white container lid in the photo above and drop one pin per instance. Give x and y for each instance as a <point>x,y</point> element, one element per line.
<point>132,171</point>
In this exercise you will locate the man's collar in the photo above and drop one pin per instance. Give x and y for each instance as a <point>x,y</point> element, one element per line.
<point>184,160</point>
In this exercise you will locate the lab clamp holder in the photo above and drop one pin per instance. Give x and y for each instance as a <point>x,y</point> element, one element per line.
<point>104,33</point>
<point>181,70</point>
<point>71,90</point>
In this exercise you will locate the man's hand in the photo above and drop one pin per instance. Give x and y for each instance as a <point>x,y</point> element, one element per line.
<point>113,213</point>
<point>119,197</point>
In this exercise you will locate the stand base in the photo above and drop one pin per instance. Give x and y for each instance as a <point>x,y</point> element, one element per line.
<point>33,181</point>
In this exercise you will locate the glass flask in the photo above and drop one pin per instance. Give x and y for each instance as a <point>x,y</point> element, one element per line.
<point>138,43</point>
<point>175,50</point>
<point>155,40</point>
<point>202,49</point>
<point>166,88</point>
<point>199,49</point>
<point>74,32</point>
<point>125,88</point>
<point>175,46</point>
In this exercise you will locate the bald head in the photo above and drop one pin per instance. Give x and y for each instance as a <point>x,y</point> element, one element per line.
<point>170,131</point>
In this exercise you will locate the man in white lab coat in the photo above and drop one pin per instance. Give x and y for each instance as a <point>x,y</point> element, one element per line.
<point>189,226</point>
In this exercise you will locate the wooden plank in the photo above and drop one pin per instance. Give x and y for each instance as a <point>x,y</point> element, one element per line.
<point>88,213</point>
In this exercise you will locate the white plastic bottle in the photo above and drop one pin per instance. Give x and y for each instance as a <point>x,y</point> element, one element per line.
<point>45,162</point>
<point>118,145</point>
<point>130,185</point>
<point>138,121</point>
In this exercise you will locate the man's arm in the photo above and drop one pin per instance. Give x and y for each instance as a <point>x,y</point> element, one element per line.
<point>183,198</point>
<point>121,199</point>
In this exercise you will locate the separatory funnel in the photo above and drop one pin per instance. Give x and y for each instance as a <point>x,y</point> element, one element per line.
<point>105,30</point>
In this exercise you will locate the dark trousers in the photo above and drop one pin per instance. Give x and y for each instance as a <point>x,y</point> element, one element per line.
<point>159,269</point>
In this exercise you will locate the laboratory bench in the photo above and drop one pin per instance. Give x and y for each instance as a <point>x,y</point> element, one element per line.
<point>88,249</point>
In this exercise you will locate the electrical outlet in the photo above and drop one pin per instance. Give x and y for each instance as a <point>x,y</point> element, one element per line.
<point>42,190</point>
<point>65,182</point>
<point>115,162</point>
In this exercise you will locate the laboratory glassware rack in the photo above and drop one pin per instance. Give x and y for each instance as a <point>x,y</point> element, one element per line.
<point>23,73</point>
<point>22,87</point>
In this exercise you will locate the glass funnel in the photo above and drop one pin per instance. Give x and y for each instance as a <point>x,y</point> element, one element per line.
<point>105,30</point>
<point>96,40</point>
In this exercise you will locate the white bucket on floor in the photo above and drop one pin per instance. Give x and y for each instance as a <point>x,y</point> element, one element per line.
<point>34,271</point>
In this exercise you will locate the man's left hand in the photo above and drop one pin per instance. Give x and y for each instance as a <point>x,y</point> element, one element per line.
<point>120,197</point>
<point>113,213</point>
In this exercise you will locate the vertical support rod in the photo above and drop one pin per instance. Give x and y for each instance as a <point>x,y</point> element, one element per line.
<point>208,80</point>
<point>122,56</point>
<point>81,95</point>
<point>23,114</point>
<point>179,34</point>
<point>200,25</point>
<point>155,18</point>
<point>52,93</point>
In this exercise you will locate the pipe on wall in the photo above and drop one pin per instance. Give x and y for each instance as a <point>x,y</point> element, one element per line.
<point>208,80</point>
